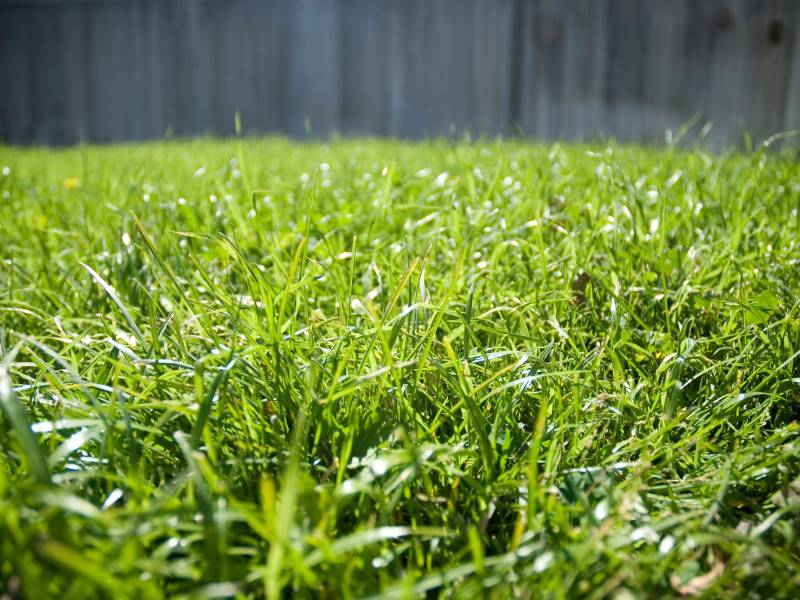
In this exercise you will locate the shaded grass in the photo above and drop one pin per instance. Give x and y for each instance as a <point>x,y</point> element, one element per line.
<point>375,367</point>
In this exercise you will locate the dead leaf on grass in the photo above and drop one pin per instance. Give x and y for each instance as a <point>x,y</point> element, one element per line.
<point>697,585</point>
<point>579,288</point>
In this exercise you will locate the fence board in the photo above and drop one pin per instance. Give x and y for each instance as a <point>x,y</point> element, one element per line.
<point>491,55</point>
<point>791,120</point>
<point>312,68</point>
<point>108,70</point>
<point>584,62</point>
<point>773,58</point>
<point>366,63</point>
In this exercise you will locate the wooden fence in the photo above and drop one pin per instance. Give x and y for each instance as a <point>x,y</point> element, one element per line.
<point>108,70</point>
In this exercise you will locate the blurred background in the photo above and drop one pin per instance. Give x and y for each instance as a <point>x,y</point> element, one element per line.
<point>635,70</point>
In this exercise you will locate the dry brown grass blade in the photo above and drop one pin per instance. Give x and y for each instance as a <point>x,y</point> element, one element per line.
<point>697,585</point>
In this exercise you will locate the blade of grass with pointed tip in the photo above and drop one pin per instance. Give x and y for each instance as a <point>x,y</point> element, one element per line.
<point>20,424</point>
<point>116,299</point>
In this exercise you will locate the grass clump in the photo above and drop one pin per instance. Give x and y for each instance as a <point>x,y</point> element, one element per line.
<point>262,368</point>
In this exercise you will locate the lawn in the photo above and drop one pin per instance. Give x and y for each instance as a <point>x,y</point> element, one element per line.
<point>266,368</point>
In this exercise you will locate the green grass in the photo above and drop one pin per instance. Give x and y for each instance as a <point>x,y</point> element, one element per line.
<point>264,368</point>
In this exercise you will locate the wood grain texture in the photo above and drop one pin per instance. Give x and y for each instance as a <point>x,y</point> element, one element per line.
<point>109,70</point>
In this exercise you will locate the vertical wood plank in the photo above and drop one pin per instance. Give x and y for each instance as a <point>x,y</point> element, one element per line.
<point>16,115</point>
<point>406,35</point>
<point>116,71</point>
<point>72,55</point>
<point>791,116</point>
<point>313,77</point>
<point>547,69</point>
<point>629,33</point>
<point>583,69</point>
<point>702,25</point>
<point>268,65</point>
<point>563,68</point>
<point>663,92</point>
<point>47,79</point>
<point>155,107</point>
<point>447,80</point>
<point>527,72</point>
<point>772,63</point>
<point>732,68</point>
<point>366,61</point>
<point>491,83</point>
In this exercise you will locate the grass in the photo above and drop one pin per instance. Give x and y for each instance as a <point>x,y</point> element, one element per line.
<point>263,368</point>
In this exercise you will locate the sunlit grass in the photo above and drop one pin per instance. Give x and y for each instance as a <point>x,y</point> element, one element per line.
<point>264,368</point>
